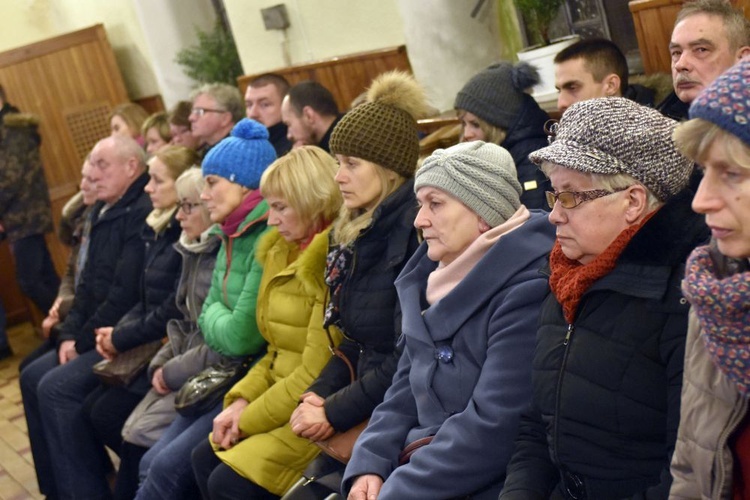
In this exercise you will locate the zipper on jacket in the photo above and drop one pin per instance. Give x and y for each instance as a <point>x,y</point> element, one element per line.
<point>722,444</point>
<point>558,390</point>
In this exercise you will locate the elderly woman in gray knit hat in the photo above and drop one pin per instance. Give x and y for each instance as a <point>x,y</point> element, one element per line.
<point>494,107</point>
<point>470,298</point>
<point>609,354</point>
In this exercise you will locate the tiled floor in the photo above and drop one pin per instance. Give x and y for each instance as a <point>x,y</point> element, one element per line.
<point>17,478</point>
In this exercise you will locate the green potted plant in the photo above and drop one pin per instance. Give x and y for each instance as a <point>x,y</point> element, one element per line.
<point>213,59</point>
<point>538,16</point>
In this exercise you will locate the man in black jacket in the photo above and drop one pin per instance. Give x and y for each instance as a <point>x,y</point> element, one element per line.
<point>53,386</point>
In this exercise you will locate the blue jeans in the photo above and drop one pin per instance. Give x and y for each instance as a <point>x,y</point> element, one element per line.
<point>35,273</point>
<point>62,440</point>
<point>165,469</point>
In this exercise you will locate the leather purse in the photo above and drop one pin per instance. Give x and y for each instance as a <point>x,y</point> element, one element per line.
<point>341,444</point>
<point>126,366</point>
<point>206,389</point>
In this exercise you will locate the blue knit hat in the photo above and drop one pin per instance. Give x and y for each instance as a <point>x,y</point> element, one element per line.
<point>243,156</point>
<point>726,102</point>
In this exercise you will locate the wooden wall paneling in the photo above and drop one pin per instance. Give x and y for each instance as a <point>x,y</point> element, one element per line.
<point>54,79</point>
<point>345,76</point>
<point>653,21</point>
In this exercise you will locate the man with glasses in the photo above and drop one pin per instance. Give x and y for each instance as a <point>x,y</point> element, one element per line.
<point>216,108</point>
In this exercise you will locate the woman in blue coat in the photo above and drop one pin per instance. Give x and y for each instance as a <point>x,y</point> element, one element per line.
<point>470,298</point>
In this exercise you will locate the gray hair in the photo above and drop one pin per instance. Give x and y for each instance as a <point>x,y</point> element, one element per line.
<point>226,96</point>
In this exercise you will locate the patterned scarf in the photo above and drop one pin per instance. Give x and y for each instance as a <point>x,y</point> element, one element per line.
<point>338,265</point>
<point>570,279</point>
<point>723,309</point>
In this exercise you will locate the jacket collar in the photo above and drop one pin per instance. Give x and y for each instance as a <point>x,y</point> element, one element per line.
<point>123,205</point>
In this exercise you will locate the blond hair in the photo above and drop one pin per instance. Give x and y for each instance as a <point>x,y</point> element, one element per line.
<point>189,186</point>
<point>159,121</point>
<point>177,159</point>
<point>695,137</point>
<point>132,114</point>
<point>493,134</point>
<point>350,223</point>
<point>304,179</point>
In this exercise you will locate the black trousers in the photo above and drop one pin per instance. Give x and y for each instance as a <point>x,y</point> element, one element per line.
<point>217,481</point>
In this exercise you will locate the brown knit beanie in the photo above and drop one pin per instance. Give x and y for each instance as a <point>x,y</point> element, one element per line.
<point>383,130</point>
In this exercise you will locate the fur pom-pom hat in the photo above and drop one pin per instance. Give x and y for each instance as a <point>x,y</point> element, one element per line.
<point>496,94</point>
<point>383,130</point>
<point>243,156</point>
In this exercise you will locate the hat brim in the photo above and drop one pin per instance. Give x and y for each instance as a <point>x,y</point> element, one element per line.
<point>580,157</point>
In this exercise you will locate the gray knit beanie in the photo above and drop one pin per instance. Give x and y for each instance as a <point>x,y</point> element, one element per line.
<point>496,94</point>
<point>613,135</point>
<point>479,174</point>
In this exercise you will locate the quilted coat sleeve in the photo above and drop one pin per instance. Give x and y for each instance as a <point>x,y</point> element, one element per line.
<point>273,407</point>
<point>233,331</point>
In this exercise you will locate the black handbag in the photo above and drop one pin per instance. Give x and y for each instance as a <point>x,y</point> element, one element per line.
<point>206,389</point>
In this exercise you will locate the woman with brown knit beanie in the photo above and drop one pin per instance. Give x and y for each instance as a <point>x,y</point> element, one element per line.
<point>377,147</point>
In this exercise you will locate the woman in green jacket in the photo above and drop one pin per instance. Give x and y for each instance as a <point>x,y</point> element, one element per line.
<point>253,452</point>
<point>232,171</point>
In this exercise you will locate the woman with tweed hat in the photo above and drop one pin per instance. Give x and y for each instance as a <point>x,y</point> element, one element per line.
<point>712,456</point>
<point>377,146</point>
<point>494,107</point>
<point>609,354</point>
<point>470,299</point>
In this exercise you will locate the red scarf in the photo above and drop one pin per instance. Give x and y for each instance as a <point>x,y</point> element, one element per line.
<point>234,219</point>
<point>570,279</point>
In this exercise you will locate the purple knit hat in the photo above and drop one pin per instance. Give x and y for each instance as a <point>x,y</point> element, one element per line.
<point>726,102</point>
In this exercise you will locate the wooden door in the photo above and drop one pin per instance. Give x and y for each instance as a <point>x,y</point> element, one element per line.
<point>71,82</point>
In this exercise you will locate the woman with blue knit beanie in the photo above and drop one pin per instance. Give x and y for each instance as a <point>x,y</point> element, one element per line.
<point>712,455</point>
<point>232,171</point>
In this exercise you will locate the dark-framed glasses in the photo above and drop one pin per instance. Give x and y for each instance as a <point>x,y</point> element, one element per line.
<point>199,112</point>
<point>187,207</point>
<point>571,199</point>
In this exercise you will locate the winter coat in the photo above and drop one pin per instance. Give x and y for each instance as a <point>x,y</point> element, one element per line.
<point>185,354</point>
<point>712,408</point>
<point>109,287</point>
<point>607,388</point>
<point>70,232</point>
<point>228,317</point>
<point>24,198</point>
<point>147,320</point>
<point>370,316</point>
<point>489,321</point>
<point>291,302</point>
<point>525,136</point>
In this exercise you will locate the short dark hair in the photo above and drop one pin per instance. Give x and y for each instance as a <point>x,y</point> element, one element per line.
<point>278,81</point>
<point>601,57</point>
<point>313,94</point>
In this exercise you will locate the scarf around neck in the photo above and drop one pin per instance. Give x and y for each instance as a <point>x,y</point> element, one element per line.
<point>723,309</point>
<point>159,218</point>
<point>444,279</point>
<point>570,279</point>
<point>235,219</point>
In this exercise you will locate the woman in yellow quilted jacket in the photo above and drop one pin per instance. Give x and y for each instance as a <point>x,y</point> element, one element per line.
<point>252,452</point>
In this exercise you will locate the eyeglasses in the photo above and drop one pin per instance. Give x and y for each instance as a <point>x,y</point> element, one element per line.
<point>199,112</point>
<point>187,207</point>
<point>571,199</point>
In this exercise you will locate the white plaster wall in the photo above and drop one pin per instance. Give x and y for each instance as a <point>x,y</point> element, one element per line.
<point>447,46</point>
<point>168,27</point>
<point>319,29</point>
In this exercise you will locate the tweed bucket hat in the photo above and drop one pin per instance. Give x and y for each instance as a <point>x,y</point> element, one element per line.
<point>726,102</point>
<point>614,135</point>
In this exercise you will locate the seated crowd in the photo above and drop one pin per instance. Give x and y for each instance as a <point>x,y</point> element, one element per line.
<point>279,300</point>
